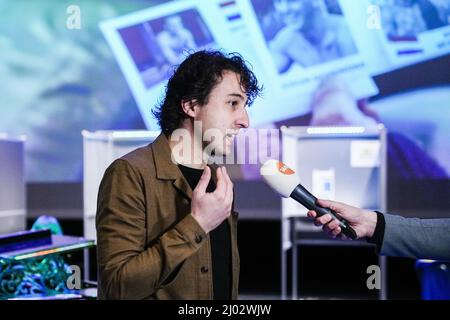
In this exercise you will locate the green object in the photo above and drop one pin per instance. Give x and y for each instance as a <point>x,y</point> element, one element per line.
<point>48,222</point>
<point>43,276</point>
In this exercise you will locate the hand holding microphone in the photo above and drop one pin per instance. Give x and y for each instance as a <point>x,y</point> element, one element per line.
<point>362,221</point>
<point>285,182</point>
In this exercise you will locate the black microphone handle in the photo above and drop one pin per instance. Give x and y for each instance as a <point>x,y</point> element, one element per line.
<point>308,200</point>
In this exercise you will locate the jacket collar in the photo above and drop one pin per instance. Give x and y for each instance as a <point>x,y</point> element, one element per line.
<point>167,169</point>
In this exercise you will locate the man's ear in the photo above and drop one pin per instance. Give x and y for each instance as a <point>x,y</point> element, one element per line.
<point>190,107</point>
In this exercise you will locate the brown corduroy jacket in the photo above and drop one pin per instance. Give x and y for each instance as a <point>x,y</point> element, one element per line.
<point>148,244</point>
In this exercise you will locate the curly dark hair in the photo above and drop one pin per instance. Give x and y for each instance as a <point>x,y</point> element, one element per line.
<point>194,80</point>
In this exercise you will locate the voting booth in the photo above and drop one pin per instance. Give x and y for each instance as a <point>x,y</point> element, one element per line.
<point>100,149</point>
<point>12,185</point>
<point>345,164</point>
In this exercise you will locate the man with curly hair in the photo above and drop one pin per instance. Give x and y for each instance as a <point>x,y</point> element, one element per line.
<point>166,227</point>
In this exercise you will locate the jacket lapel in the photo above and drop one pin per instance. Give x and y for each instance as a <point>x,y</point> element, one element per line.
<point>166,168</point>
<point>183,186</point>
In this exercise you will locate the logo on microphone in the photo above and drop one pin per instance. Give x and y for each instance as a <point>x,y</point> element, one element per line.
<point>284,169</point>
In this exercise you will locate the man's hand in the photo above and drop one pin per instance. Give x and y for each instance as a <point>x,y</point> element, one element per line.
<point>211,209</point>
<point>362,221</point>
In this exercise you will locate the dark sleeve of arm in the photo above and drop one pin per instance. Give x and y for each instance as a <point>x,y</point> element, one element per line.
<point>128,269</point>
<point>416,238</point>
<point>378,234</point>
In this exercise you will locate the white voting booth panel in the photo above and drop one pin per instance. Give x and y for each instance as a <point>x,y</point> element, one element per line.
<point>100,149</point>
<point>346,164</point>
<point>12,185</point>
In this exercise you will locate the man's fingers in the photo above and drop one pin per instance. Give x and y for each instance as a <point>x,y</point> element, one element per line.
<point>312,214</point>
<point>320,221</point>
<point>204,181</point>
<point>333,205</point>
<point>331,229</point>
<point>333,224</point>
<point>335,231</point>
<point>330,226</point>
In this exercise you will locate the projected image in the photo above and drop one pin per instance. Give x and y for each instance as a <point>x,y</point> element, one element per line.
<point>412,30</point>
<point>57,88</point>
<point>303,33</point>
<point>157,45</point>
<point>150,43</point>
<point>302,43</point>
<point>409,18</point>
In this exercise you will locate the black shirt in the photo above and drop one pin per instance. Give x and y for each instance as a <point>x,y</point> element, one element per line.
<point>220,243</point>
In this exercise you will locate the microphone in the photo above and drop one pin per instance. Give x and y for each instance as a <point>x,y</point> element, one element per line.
<point>285,182</point>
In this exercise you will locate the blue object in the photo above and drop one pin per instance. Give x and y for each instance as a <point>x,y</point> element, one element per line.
<point>435,279</point>
<point>24,240</point>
